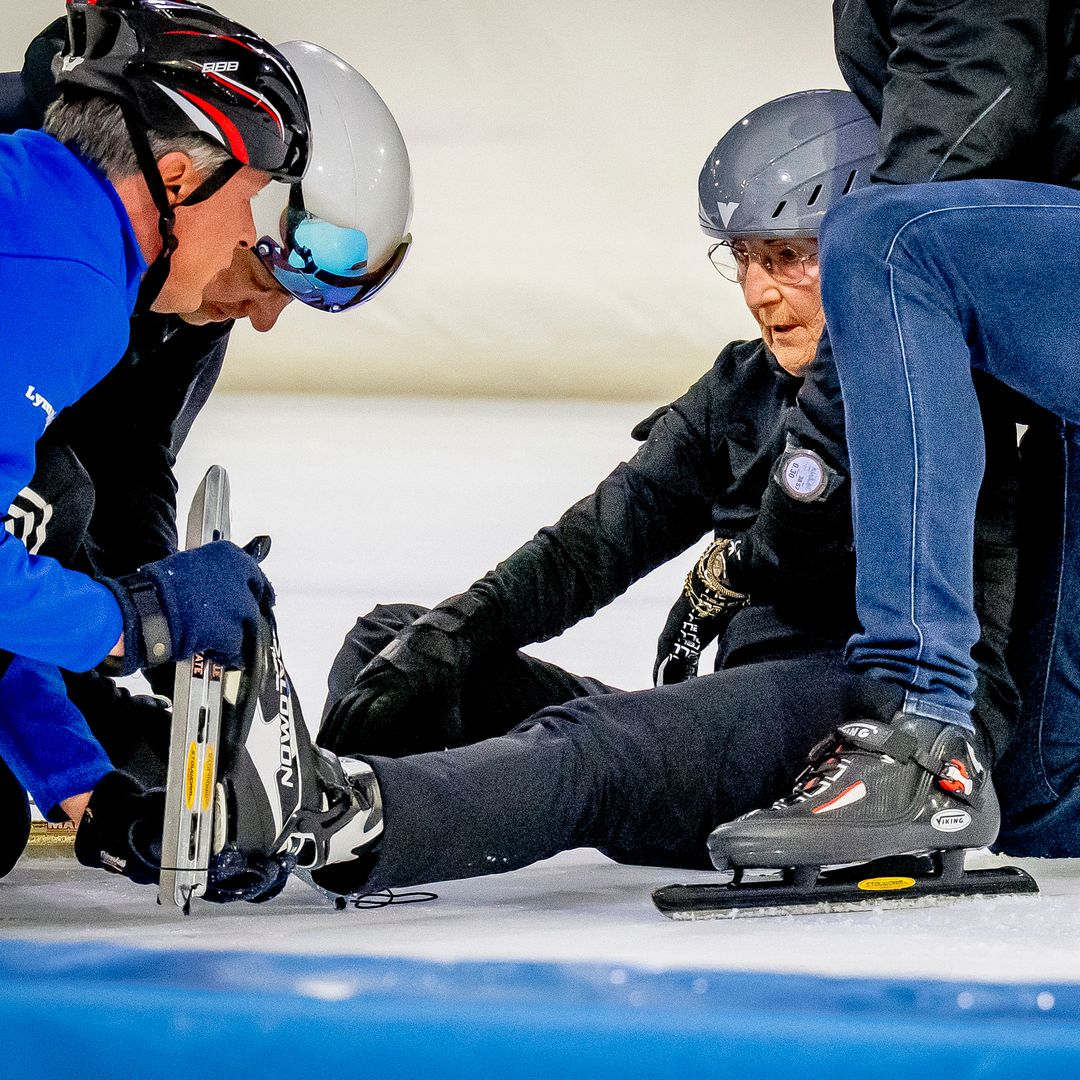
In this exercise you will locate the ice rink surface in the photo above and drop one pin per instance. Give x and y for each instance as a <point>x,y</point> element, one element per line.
<point>391,500</point>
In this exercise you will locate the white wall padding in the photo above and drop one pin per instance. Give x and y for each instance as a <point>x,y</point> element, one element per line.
<point>555,148</point>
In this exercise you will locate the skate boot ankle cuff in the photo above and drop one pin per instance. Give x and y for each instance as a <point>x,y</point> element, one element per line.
<point>359,833</point>
<point>873,696</point>
<point>353,831</point>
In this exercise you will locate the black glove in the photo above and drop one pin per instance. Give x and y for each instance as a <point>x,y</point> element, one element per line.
<point>133,729</point>
<point>700,615</point>
<point>121,832</point>
<point>121,829</point>
<point>801,542</point>
<point>678,649</point>
<point>208,599</point>
<point>409,697</point>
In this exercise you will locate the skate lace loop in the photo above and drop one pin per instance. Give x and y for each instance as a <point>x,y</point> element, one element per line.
<point>383,898</point>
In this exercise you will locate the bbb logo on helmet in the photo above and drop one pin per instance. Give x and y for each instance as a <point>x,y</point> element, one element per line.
<point>220,66</point>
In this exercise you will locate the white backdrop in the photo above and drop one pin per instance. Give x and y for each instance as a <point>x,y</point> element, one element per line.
<point>555,147</point>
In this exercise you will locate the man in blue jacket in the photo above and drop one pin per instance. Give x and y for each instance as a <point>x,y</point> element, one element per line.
<point>107,521</point>
<point>136,194</point>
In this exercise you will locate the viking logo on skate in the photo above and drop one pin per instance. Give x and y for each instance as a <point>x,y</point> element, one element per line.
<point>956,778</point>
<point>950,820</point>
<point>859,731</point>
<point>851,794</point>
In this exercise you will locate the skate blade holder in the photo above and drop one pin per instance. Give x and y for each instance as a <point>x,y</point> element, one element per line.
<point>194,818</point>
<point>913,880</point>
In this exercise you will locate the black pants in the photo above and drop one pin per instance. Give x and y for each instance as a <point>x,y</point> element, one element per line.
<point>565,762</point>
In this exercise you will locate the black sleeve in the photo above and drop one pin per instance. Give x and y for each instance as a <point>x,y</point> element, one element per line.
<point>958,86</point>
<point>126,432</point>
<point>15,110</point>
<point>644,513</point>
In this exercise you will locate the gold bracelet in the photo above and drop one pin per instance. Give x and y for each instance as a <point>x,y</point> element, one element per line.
<point>706,586</point>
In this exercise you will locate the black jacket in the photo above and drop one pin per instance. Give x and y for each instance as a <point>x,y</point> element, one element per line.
<point>703,468</point>
<point>967,88</point>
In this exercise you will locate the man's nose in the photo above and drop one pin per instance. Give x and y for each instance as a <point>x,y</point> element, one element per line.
<point>267,307</point>
<point>759,287</point>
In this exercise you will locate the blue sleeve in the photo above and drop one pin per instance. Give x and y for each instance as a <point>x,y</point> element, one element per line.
<point>54,349</point>
<point>44,739</point>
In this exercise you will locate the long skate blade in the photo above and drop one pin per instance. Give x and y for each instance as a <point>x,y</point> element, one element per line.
<point>873,889</point>
<point>187,837</point>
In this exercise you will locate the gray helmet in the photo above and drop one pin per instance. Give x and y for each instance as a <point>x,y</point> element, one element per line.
<point>781,167</point>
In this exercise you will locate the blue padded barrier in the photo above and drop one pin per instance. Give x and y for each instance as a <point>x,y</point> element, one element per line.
<point>84,1011</point>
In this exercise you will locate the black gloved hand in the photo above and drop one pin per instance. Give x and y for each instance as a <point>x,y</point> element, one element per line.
<point>133,729</point>
<point>701,614</point>
<point>121,829</point>
<point>208,599</point>
<point>678,649</point>
<point>409,697</point>
<point>121,832</point>
<point>254,878</point>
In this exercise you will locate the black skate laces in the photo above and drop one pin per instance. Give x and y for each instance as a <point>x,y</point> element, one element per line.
<point>837,749</point>
<point>826,759</point>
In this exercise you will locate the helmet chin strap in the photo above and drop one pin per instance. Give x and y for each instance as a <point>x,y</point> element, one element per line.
<point>158,271</point>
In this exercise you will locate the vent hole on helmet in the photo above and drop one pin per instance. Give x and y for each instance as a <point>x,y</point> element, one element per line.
<point>779,209</point>
<point>813,196</point>
<point>850,181</point>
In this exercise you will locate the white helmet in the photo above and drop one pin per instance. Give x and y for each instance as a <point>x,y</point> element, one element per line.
<point>337,237</point>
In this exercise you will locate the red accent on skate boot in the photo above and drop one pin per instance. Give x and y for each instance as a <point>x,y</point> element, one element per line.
<point>956,778</point>
<point>851,794</point>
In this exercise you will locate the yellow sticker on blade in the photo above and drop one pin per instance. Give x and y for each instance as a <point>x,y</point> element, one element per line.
<point>208,779</point>
<point>886,884</point>
<point>191,775</point>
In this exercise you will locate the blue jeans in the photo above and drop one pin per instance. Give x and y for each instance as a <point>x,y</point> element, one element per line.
<point>922,284</point>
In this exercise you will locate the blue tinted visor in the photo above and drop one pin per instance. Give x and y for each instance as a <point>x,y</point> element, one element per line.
<point>324,266</point>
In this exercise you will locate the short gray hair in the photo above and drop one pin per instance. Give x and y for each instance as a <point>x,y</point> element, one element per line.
<point>94,127</point>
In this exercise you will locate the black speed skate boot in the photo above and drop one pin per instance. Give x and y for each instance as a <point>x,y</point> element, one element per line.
<point>888,807</point>
<point>282,803</point>
<point>871,790</point>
